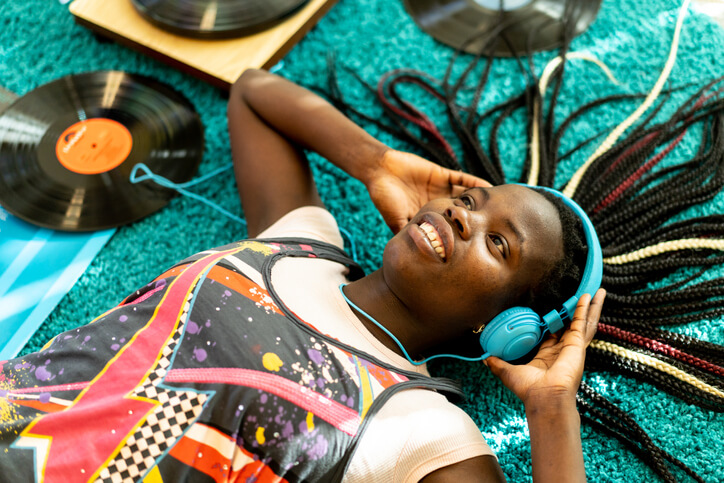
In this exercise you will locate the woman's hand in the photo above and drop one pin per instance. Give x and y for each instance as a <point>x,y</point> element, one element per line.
<point>272,121</point>
<point>401,183</point>
<point>547,385</point>
<point>557,368</point>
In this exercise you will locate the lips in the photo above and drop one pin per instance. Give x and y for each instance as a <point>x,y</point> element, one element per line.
<point>434,235</point>
<point>434,238</point>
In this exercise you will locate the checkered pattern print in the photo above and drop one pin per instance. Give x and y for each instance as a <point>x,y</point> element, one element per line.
<point>158,433</point>
<point>177,410</point>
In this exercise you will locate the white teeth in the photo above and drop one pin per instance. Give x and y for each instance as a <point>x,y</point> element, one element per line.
<point>433,237</point>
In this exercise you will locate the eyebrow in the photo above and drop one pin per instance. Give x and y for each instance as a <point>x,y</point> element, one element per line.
<point>508,223</point>
<point>521,238</point>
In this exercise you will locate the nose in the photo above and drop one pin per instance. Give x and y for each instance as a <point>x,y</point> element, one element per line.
<point>460,220</point>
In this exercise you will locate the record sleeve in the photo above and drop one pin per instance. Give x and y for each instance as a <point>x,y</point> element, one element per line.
<point>67,149</point>
<point>37,268</point>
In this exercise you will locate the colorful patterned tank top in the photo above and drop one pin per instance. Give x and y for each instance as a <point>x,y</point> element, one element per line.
<point>202,375</point>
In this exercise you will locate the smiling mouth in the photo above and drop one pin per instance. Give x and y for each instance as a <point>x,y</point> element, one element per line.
<point>434,238</point>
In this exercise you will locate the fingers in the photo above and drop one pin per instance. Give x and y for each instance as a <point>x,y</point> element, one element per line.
<point>397,224</point>
<point>594,314</point>
<point>587,314</point>
<point>463,181</point>
<point>498,367</point>
<point>457,190</point>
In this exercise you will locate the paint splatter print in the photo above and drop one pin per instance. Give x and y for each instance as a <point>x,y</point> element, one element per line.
<point>201,375</point>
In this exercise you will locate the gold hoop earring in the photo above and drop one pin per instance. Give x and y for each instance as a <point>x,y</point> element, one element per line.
<point>479,329</point>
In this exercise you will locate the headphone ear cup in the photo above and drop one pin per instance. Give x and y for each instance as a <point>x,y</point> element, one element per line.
<point>512,334</point>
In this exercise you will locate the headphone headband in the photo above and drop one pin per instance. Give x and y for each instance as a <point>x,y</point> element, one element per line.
<point>593,272</point>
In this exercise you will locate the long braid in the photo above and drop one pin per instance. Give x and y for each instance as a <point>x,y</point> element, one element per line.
<point>607,417</point>
<point>590,416</point>
<point>696,347</point>
<point>654,344</point>
<point>689,183</point>
<point>648,140</point>
<point>671,374</point>
<point>637,192</point>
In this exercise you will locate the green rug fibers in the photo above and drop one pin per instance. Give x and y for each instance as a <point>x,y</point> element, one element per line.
<point>39,42</point>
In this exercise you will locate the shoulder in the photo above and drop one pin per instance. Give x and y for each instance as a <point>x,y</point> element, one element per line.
<point>306,222</point>
<point>414,434</point>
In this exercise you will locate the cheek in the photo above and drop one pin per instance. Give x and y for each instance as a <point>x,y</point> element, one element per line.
<point>469,288</point>
<point>484,291</point>
<point>476,268</point>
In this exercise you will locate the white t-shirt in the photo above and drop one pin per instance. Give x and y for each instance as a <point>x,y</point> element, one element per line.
<point>414,433</point>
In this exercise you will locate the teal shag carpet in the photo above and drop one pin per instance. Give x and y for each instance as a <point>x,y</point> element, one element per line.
<point>39,42</point>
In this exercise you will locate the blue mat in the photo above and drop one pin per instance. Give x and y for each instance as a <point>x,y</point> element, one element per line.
<point>39,42</point>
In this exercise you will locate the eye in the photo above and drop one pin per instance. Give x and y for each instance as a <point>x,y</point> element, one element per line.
<point>498,242</point>
<point>468,201</point>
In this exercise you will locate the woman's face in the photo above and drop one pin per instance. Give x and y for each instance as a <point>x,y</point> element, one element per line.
<point>461,261</point>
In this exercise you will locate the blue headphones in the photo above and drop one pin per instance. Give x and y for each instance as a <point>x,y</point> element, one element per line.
<point>515,332</point>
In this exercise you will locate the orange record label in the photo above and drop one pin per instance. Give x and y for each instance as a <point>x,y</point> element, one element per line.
<point>94,146</point>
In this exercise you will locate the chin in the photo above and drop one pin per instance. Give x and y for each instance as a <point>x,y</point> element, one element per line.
<point>396,252</point>
<point>395,262</point>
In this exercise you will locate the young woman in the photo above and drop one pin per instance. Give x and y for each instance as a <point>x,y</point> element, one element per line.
<point>264,359</point>
<point>508,239</point>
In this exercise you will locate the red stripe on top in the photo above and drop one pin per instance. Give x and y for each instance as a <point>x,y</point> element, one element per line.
<point>649,164</point>
<point>419,118</point>
<point>59,387</point>
<point>336,414</point>
<point>105,412</point>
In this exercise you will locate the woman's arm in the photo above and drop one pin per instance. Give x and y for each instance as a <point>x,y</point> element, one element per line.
<point>547,386</point>
<point>272,121</point>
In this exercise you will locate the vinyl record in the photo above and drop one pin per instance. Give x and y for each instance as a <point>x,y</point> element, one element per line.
<point>216,19</point>
<point>68,147</point>
<point>528,25</point>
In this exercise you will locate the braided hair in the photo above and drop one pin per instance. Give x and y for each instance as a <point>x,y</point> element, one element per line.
<point>565,276</point>
<point>656,255</point>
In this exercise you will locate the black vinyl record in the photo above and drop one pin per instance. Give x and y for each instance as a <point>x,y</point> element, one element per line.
<point>528,25</point>
<point>216,19</point>
<point>67,150</point>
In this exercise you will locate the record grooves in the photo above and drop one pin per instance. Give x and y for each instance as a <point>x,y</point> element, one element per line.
<point>528,25</point>
<point>216,19</point>
<point>67,149</point>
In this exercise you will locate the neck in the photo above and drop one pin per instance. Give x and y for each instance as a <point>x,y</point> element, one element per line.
<point>372,296</point>
<point>403,332</point>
